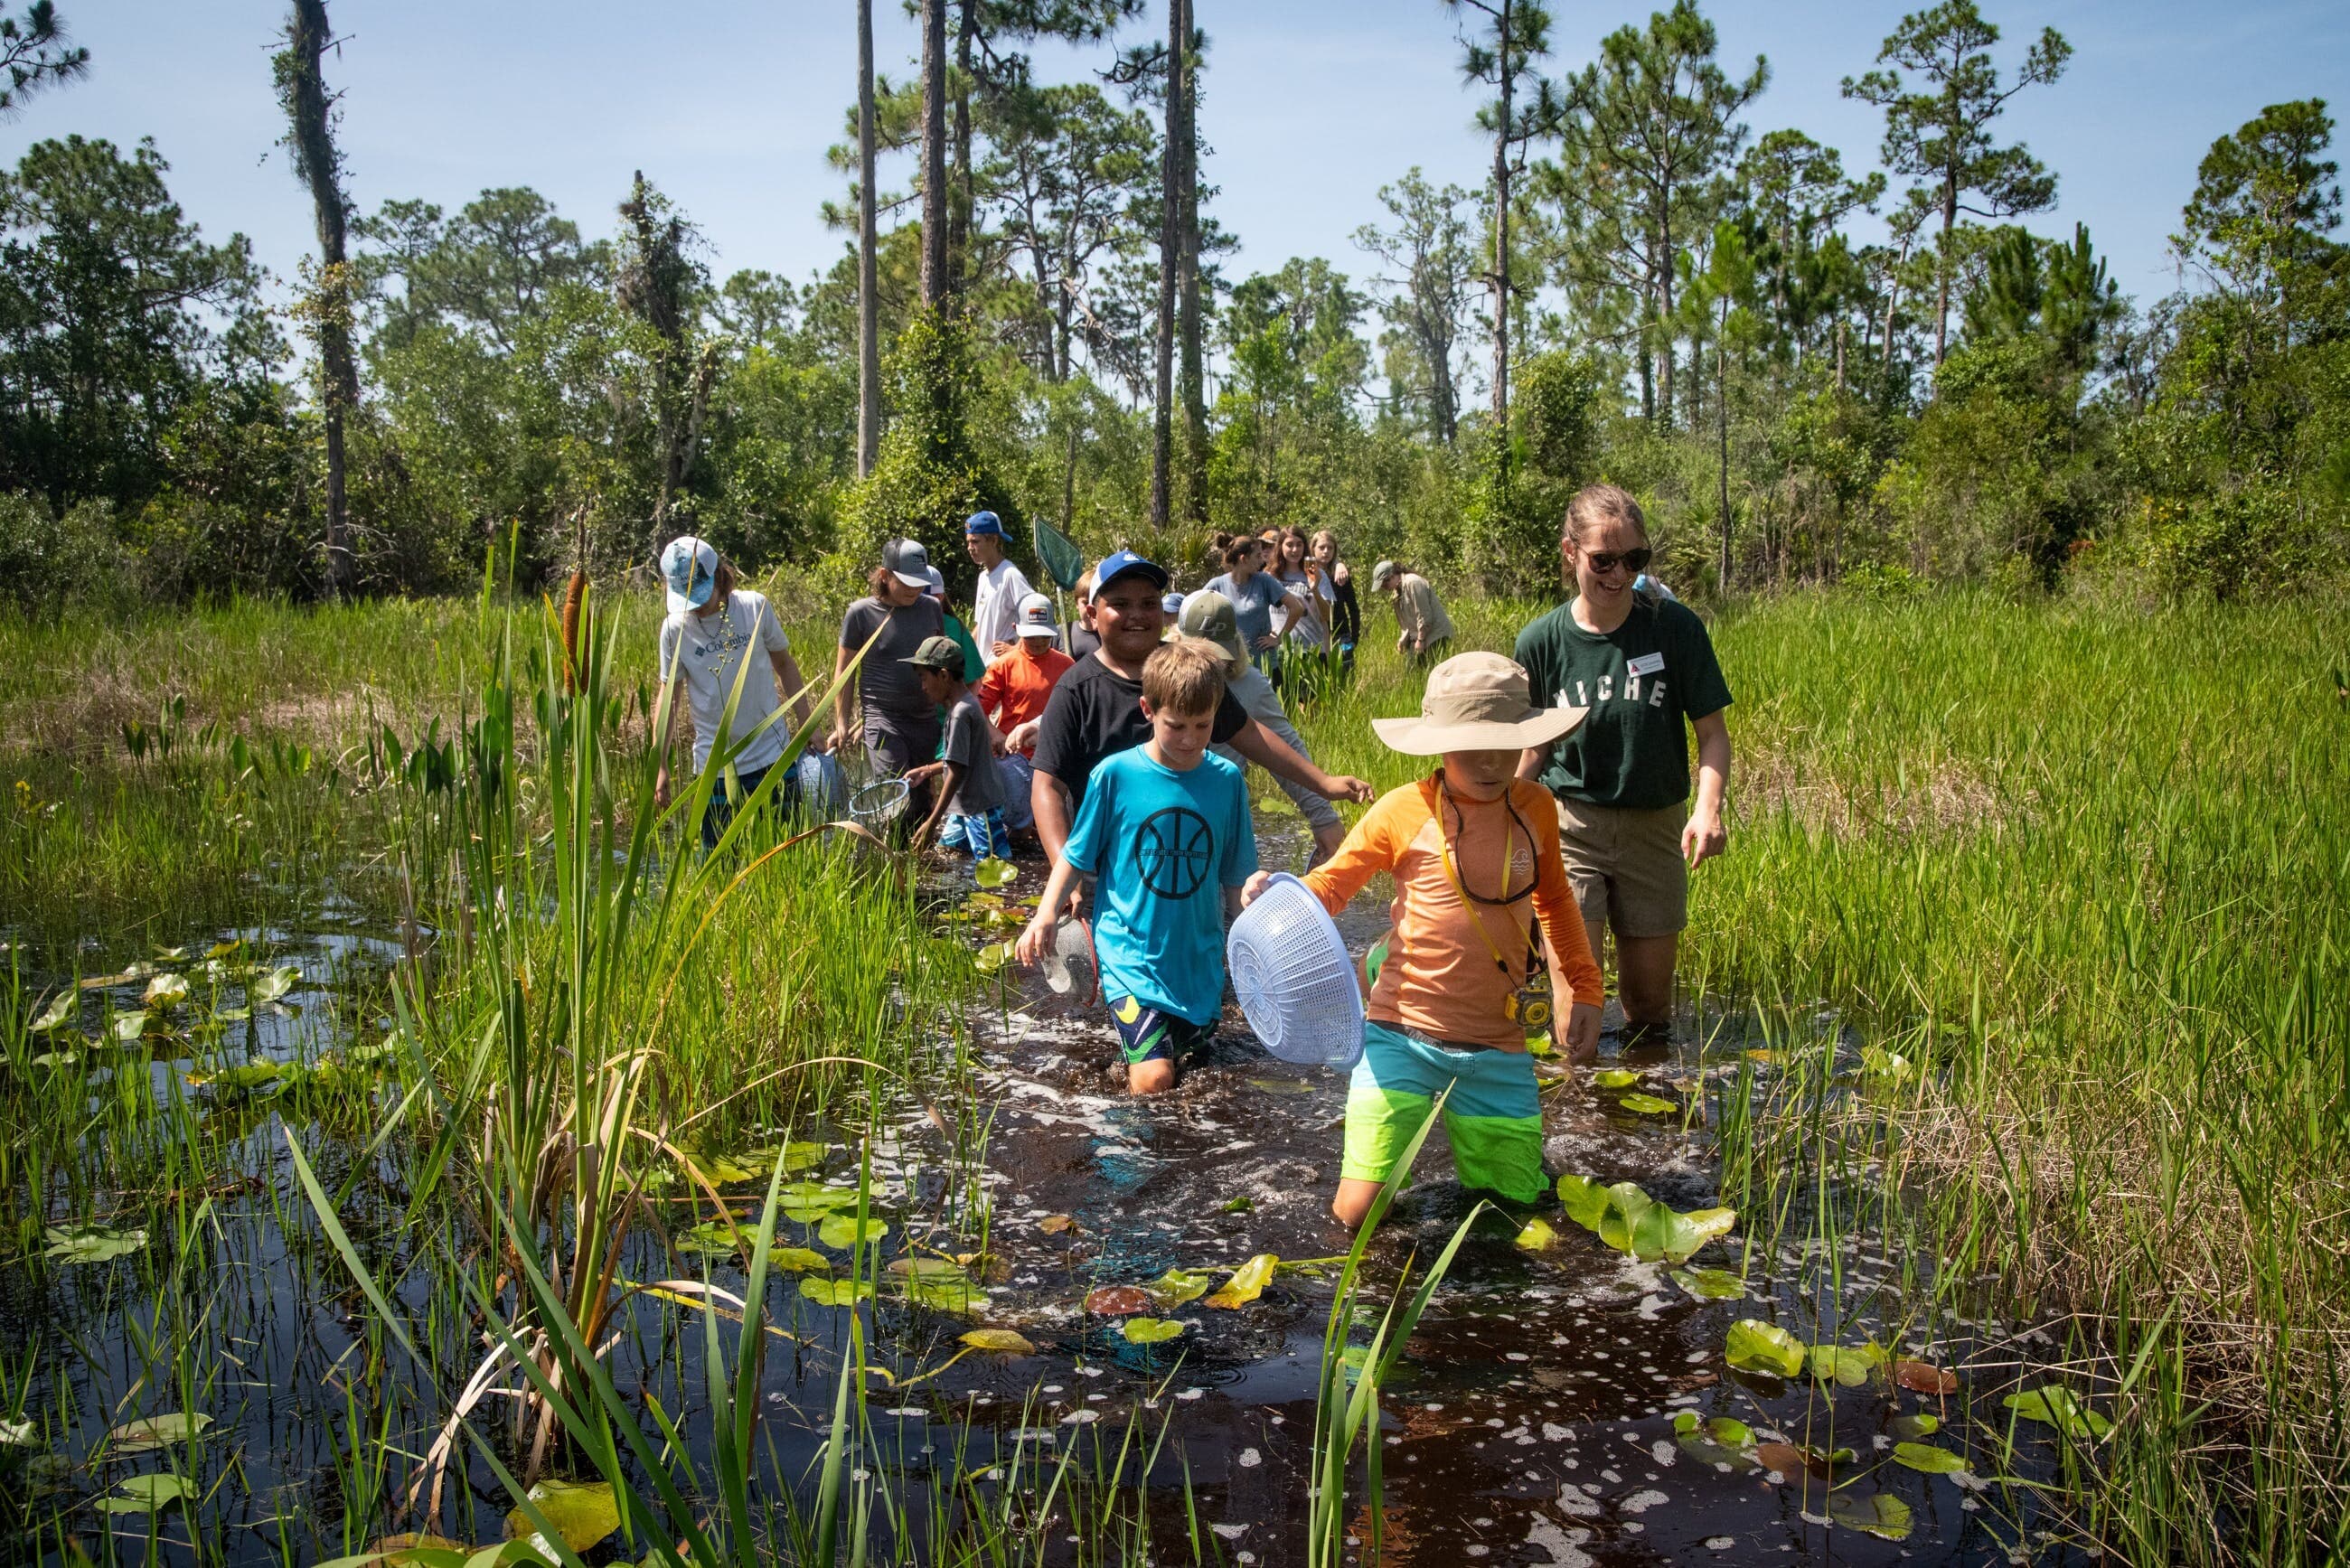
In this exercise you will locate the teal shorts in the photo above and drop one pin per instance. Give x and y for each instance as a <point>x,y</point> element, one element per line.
<point>1493,1116</point>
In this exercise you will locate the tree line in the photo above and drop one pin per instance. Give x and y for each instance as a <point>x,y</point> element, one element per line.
<point>1813,372</point>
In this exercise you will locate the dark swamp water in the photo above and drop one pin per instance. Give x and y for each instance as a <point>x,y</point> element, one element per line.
<point>1533,1422</point>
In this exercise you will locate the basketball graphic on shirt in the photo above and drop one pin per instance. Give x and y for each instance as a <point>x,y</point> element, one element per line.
<point>1176,848</point>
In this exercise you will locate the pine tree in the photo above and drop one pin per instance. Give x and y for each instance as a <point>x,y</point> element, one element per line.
<point>868,303</point>
<point>35,55</point>
<point>319,163</point>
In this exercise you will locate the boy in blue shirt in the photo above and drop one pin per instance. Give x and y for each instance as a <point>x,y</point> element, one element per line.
<point>1165,831</point>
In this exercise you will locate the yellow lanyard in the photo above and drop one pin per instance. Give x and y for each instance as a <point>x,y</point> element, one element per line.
<point>1453,876</point>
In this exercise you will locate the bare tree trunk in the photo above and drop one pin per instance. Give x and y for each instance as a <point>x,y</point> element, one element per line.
<point>1722,419</point>
<point>935,221</point>
<point>1501,268</point>
<point>959,210</point>
<point>1190,372</point>
<point>320,166</point>
<point>868,303</point>
<point>1171,224</point>
<point>1942,271</point>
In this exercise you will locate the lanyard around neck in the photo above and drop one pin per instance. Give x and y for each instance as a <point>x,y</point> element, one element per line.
<point>1452,875</point>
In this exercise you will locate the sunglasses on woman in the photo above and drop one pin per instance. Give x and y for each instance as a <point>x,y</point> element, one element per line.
<point>1603,562</point>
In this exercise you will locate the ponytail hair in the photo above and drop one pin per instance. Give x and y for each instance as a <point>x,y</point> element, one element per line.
<point>1596,503</point>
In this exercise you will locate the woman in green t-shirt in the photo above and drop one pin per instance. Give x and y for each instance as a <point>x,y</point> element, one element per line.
<point>1644,668</point>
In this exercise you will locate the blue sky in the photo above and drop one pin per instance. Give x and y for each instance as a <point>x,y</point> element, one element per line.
<point>1309,105</point>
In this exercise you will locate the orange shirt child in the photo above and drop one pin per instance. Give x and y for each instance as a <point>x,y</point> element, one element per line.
<point>1440,978</point>
<point>1015,686</point>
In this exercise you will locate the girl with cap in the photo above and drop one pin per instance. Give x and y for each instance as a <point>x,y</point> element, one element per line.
<point>705,645</point>
<point>901,726</point>
<point>1474,853</point>
<point>1645,665</point>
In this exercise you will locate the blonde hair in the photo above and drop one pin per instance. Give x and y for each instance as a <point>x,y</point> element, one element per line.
<point>1183,679</point>
<point>1596,503</point>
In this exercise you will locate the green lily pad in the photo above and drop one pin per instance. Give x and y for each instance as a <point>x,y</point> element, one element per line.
<point>272,983</point>
<point>800,1156</point>
<point>129,1026</point>
<point>1007,1341</point>
<point>57,1058</point>
<point>1710,1285</point>
<point>17,1434</point>
<point>1151,1330</point>
<point>993,873</point>
<point>719,1170</point>
<point>1850,1366</point>
<point>61,1009</point>
<point>842,1231</point>
<point>1879,1514</point>
<point>809,1201</point>
<point>1179,1287</point>
<point>1648,1105</point>
<point>91,1243</point>
<point>1537,1237</point>
<point>1247,1283</point>
<point>2053,1404</point>
<point>1629,1220</point>
<point>1910,1428</point>
<point>711,1237</point>
<point>1722,1440</point>
<point>835,1292</point>
<point>1240,1205</point>
<point>1886,1066</point>
<point>156,1431</point>
<point>994,956</point>
<point>166,990</point>
<point>1614,1077</point>
<point>582,1512</point>
<point>1755,1346</point>
<point>149,1493</point>
<point>1926,1457</point>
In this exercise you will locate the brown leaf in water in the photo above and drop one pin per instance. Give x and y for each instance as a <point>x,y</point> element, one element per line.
<point>1117,1301</point>
<point>1054,1224</point>
<point>1789,1459</point>
<point>1920,1379</point>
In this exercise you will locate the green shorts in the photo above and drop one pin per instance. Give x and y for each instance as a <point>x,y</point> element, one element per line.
<point>1493,1116</point>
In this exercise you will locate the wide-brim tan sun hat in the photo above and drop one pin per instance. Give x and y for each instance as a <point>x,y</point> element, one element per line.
<point>1477,702</point>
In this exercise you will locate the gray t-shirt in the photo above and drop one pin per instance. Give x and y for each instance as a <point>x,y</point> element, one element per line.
<point>966,743</point>
<point>1252,604</point>
<point>1312,632</point>
<point>891,691</point>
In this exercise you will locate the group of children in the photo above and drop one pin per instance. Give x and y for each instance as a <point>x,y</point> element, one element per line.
<point>1162,831</point>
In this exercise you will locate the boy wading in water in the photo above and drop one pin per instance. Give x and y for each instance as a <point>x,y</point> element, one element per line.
<point>1476,857</point>
<point>973,792</point>
<point>1165,830</point>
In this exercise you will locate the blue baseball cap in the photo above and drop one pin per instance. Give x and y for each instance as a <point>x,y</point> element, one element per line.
<point>1119,563</point>
<point>984,523</point>
<point>689,568</point>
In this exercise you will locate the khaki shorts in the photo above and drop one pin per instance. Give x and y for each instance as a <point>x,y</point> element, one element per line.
<point>1626,867</point>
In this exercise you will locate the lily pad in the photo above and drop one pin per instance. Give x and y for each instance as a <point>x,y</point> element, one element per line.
<point>156,1431</point>
<point>1880,1514</point>
<point>1179,1287</point>
<point>994,956</point>
<point>1537,1237</point>
<point>1151,1330</point>
<point>2053,1404</point>
<point>1117,1301</point>
<point>149,1493</point>
<point>1852,1367</point>
<point>1009,1342</point>
<point>582,1512</point>
<point>835,1292</point>
<point>166,990</point>
<point>1910,1428</point>
<point>993,873</point>
<point>1927,1457</point>
<point>129,1026</point>
<point>1920,1378</point>
<point>57,1058</point>
<point>809,1201</point>
<point>1710,1285</point>
<point>1755,1346</point>
<point>719,1170</point>
<point>59,1011</point>
<point>1614,1077</point>
<point>1057,1224</point>
<point>941,1285</point>
<point>715,1238</point>
<point>91,1243</point>
<point>1648,1105</point>
<point>272,983</point>
<point>842,1231</point>
<point>17,1434</point>
<point>1886,1066</point>
<point>1629,1220</point>
<point>1247,1283</point>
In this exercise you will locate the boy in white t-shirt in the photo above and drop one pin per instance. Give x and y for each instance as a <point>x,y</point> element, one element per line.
<point>996,603</point>
<point>711,628</point>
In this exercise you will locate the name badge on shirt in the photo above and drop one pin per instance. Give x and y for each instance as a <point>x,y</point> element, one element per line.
<point>1647,664</point>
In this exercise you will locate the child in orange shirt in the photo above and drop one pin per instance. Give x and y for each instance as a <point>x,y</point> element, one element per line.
<point>1474,851</point>
<point>1014,693</point>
